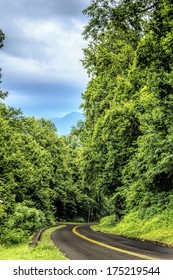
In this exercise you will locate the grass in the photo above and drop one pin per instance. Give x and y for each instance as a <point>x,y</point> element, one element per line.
<point>45,250</point>
<point>158,228</point>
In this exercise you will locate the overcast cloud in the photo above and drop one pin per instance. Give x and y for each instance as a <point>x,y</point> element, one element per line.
<point>40,59</point>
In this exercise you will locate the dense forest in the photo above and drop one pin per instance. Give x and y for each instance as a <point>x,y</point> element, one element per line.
<point>121,157</point>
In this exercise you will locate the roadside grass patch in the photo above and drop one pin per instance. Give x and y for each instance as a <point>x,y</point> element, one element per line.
<point>158,228</point>
<point>45,250</point>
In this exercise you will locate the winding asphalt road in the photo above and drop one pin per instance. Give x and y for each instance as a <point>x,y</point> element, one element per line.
<point>82,243</point>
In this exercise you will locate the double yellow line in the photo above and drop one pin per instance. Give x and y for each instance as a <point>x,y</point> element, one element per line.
<point>141,256</point>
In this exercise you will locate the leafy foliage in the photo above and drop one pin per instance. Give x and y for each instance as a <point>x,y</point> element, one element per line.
<point>119,160</point>
<point>128,104</point>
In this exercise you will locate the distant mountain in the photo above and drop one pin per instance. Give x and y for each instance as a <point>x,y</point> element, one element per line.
<point>65,123</point>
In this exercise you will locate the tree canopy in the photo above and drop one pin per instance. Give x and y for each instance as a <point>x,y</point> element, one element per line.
<point>127,103</point>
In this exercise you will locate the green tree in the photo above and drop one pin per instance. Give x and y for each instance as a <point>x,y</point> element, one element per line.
<point>127,102</point>
<point>150,169</point>
<point>111,128</point>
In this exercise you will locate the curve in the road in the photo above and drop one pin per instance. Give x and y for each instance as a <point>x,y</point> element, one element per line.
<point>74,230</point>
<point>82,243</point>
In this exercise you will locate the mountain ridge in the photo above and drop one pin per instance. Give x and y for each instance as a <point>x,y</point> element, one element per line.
<point>65,123</point>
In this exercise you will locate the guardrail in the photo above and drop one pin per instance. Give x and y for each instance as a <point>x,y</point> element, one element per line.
<point>36,237</point>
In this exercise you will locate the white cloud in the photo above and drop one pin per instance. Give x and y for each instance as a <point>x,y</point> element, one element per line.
<point>42,51</point>
<point>49,51</point>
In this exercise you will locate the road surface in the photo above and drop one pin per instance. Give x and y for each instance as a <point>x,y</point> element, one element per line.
<point>82,243</point>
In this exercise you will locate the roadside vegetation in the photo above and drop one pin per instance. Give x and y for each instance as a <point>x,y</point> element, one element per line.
<point>157,228</point>
<point>45,250</point>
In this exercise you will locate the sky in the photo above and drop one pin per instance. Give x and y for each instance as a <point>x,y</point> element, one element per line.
<point>40,60</point>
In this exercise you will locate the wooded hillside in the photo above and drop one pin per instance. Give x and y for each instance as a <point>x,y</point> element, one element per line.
<point>120,158</point>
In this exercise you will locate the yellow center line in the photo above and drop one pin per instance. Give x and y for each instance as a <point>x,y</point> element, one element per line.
<point>111,247</point>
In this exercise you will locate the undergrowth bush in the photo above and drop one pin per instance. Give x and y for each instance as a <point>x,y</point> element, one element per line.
<point>108,221</point>
<point>28,219</point>
<point>14,236</point>
<point>23,222</point>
